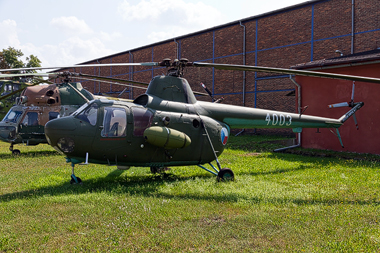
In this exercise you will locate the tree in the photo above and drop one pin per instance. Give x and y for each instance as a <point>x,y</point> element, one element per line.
<point>10,58</point>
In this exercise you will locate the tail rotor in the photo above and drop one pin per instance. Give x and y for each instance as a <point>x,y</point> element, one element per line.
<point>351,104</point>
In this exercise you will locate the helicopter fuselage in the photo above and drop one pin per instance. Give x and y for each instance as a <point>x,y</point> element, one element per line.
<point>25,121</point>
<point>141,133</point>
<point>128,134</point>
<point>25,124</point>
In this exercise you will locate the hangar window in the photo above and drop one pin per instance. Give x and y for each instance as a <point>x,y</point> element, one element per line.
<point>114,122</point>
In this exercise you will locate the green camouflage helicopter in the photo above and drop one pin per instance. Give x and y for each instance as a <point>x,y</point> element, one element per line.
<point>9,90</point>
<point>167,126</point>
<point>24,122</point>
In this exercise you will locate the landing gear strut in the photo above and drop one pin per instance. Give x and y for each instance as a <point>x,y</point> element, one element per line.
<point>14,151</point>
<point>74,179</point>
<point>224,174</point>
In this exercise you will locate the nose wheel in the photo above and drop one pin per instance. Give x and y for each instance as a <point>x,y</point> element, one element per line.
<point>74,179</point>
<point>14,151</point>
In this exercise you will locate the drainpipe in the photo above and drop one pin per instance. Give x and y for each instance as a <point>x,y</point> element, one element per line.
<point>99,75</point>
<point>352,25</point>
<point>244,59</point>
<point>131,74</point>
<point>299,111</point>
<point>177,48</point>
<point>299,93</point>
<point>244,73</point>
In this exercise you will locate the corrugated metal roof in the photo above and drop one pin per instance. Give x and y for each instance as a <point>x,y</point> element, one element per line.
<point>352,59</point>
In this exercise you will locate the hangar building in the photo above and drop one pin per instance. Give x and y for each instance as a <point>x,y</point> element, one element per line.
<point>299,34</point>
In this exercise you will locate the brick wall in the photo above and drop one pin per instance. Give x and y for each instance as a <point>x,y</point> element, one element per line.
<point>312,31</point>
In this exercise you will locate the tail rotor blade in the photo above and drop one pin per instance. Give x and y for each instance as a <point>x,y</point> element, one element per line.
<point>208,91</point>
<point>356,122</point>
<point>344,104</point>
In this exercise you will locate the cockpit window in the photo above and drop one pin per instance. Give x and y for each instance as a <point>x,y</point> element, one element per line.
<point>89,114</point>
<point>53,115</point>
<point>115,122</point>
<point>30,119</point>
<point>80,109</point>
<point>142,119</point>
<point>12,116</point>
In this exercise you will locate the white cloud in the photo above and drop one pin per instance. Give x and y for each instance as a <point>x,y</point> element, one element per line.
<point>71,25</point>
<point>80,44</point>
<point>165,19</point>
<point>165,12</point>
<point>73,50</point>
<point>8,31</point>
<point>168,33</point>
<point>109,37</point>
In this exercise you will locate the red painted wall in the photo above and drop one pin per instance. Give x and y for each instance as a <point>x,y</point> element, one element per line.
<point>318,93</point>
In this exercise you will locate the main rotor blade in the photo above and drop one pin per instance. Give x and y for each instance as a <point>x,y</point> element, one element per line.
<point>111,79</point>
<point>19,90</point>
<point>116,80</point>
<point>28,84</point>
<point>104,81</point>
<point>85,65</point>
<point>12,93</point>
<point>28,74</point>
<point>287,71</point>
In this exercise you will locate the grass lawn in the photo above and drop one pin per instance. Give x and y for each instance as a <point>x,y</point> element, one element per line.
<point>279,202</point>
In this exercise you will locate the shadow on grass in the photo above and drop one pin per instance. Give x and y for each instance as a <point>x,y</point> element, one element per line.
<point>28,154</point>
<point>148,186</point>
<point>259,143</point>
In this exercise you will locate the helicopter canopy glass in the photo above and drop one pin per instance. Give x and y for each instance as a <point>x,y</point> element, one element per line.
<point>30,119</point>
<point>13,115</point>
<point>89,114</point>
<point>114,122</point>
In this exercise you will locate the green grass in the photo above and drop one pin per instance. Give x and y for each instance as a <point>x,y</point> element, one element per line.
<point>278,203</point>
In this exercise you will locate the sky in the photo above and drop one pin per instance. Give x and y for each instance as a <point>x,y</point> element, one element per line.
<point>69,32</point>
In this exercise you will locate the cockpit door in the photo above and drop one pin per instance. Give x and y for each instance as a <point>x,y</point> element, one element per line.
<point>112,132</point>
<point>30,127</point>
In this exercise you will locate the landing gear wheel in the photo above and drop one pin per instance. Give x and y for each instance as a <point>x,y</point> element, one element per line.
<point>16,152</point>
<point>155,170</point>
<point>75,180</point>
<point>225,174</point>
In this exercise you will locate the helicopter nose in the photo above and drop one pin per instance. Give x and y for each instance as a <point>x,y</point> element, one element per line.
<point>7,132</point>
<point>65,123</point>
<point>58,128</point>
